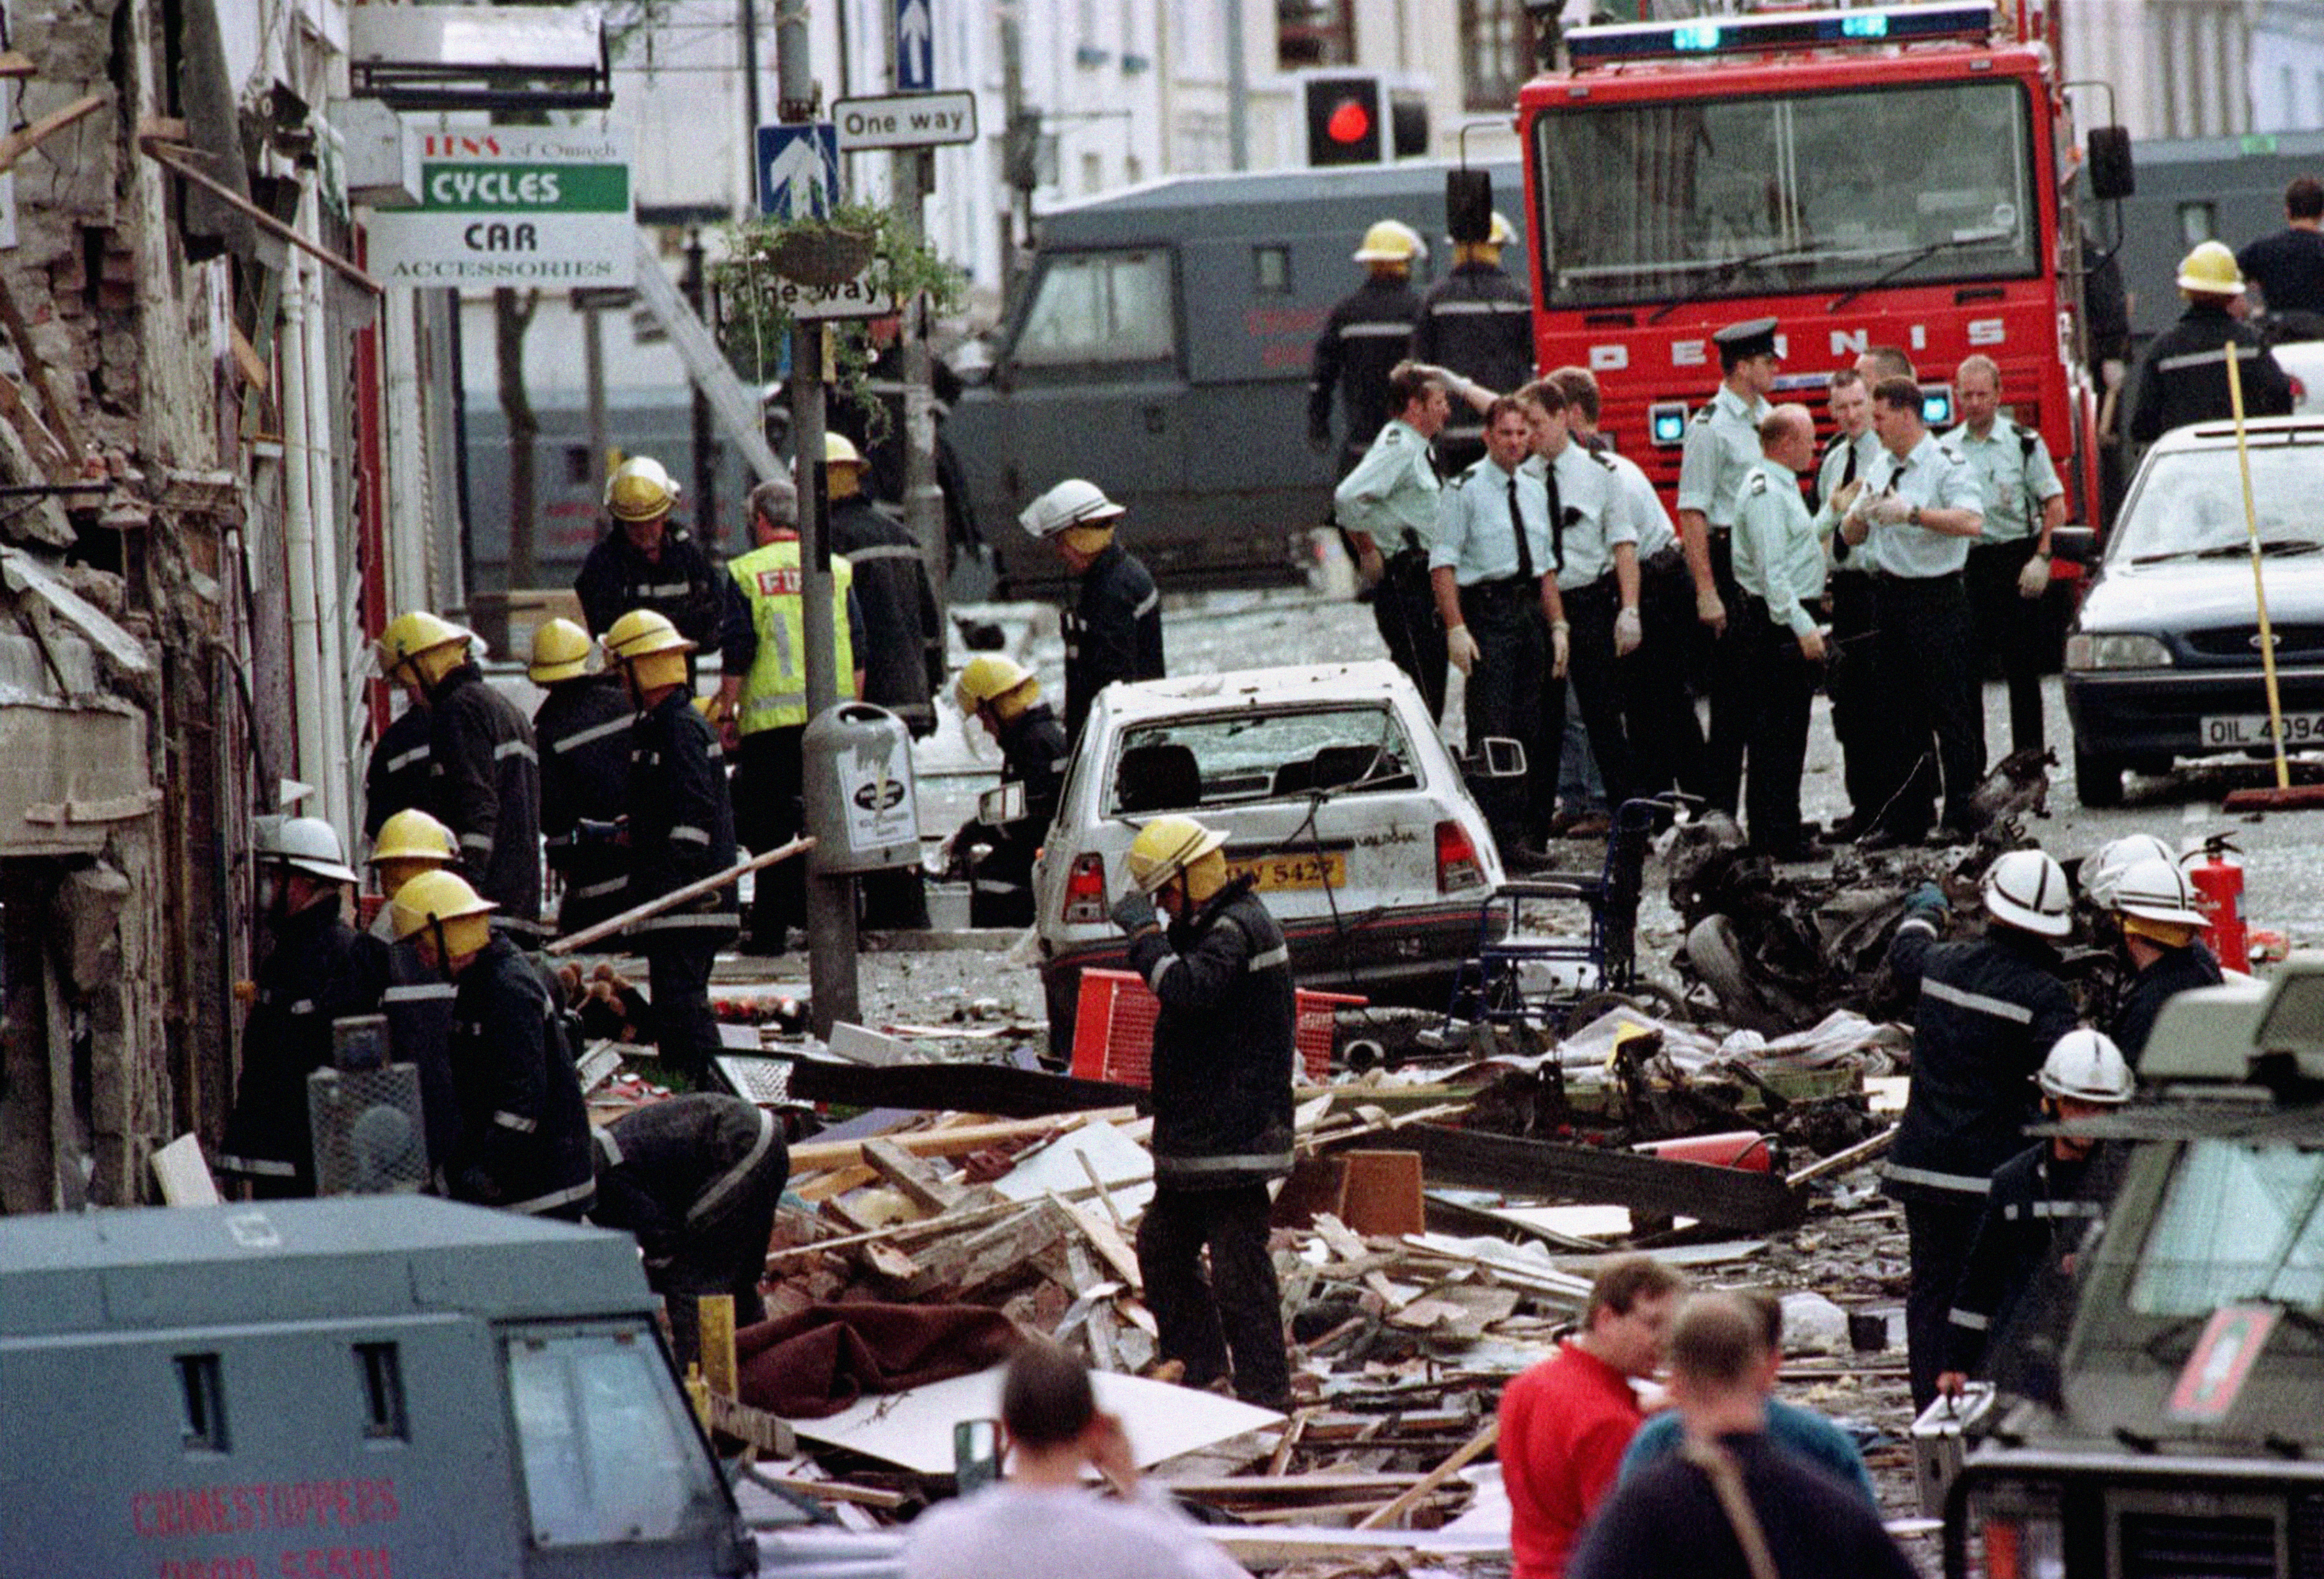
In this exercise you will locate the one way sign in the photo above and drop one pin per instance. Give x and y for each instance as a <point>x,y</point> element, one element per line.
<point>798,170</point>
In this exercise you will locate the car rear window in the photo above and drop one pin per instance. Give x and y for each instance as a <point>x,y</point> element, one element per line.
<point>1187,764</point>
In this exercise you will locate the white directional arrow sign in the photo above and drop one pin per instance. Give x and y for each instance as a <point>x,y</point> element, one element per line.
<point>905,120</point>
<point>916,70</point>
<point>798,170</point>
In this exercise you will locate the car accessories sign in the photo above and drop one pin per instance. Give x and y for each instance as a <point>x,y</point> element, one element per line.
<point>512,206</point>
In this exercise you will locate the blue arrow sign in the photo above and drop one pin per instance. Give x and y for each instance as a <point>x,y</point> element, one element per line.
<point>798,170</point>
<point>915,68</point>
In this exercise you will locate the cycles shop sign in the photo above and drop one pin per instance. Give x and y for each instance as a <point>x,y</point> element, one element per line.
<point>512,206</point>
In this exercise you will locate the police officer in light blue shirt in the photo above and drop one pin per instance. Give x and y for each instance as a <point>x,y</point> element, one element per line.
<point>1722,444</point>
<point>1388,506</point>
<point>1848,678</point>
<point>1779,567</point>
<point>1494,571</point>
<point>2009,568</point>
<point>1919,510</point>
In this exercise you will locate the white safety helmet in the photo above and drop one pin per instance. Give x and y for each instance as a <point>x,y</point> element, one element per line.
<point>2024,889</point>
<point>2086,1066</point>
<point>1071,504</point>
<point>2110,860</point>
<point>306,844</point>
<point>2157,890</point>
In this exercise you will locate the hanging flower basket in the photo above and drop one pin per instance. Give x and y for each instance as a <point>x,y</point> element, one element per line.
<point>821,255</point>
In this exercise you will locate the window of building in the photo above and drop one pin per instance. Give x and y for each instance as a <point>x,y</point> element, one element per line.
<point>1497,53</point>
<point>1316,32</point>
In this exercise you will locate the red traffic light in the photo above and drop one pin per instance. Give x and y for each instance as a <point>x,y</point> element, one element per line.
<point>1350,122</point>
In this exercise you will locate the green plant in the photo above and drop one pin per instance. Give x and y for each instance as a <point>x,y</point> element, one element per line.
<point>754,329</point>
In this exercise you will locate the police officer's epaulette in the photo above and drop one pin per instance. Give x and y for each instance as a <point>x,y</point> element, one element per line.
<point>1950,454</point>
<point>1461,477</point>
<point>1601,457</point>
<point>1392,435</point>
<point>1756,483</point>
<point>1703,414</point>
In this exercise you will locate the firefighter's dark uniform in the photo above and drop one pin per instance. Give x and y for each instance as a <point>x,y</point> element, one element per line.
<point>2183,377</point>
<point>417,1004</point>
<point>1222,1064</point>
<point>680,586</point>
<point>681,830</point>
<point>2039,1211</point>
<point>1363,339</point>
<point>524,1131</point>
<point>1114,632</point>
<point>399,775</point>
<point>697,1180</point>
<point>582,730</point>
<point>320,969</point>
<point>1989,1011</point>
<point>1478,322</point>
<point>1033,753</point>
<point>2142,999</point>
<point>488,794</point>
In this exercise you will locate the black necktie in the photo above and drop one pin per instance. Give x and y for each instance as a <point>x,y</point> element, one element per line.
<point>1517,524</point>
<point>1556,515</point>
<point>1847,471</point>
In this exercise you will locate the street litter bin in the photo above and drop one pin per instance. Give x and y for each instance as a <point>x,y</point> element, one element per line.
<point>861,806</point>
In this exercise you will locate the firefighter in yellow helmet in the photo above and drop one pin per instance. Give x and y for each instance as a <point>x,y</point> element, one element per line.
<point>1222,1084</point>
<point>1002,695</point>
<point>681,829</point>
<point>646,560</point>
<point>486,782</point>
<point>417,1002</point>
<point>1363,339</point>
<point>523,1139</point>
<point>582,727</point>
<point>2183,377</point>
<point>410,843</point>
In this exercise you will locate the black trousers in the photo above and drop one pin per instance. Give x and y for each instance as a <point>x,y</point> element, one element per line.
<point>725,1254</point>
<point>1237,1309</point>
<point>1404,607</point>
<point>1596,676</point>
<point>1728,681</point>
<point>1507,694</point>
<point>1938,1236</point>
<point>1930,713</point>
<point>1663,734</point>
<point>1850,681</point>
<point>1786,682</point>
<point>2009,627</point>
<point>769,811</point>
<point>677,977</point>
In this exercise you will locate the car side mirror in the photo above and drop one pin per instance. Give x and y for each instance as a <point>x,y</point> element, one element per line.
<point>1497,757</point>
<point>2074,545</point>
<point>1002,805</point>
<point>2108,159</point>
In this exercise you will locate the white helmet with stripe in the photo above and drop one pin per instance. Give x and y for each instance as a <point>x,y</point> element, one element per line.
<point>2024,889</point>
<point>2086,1066</point>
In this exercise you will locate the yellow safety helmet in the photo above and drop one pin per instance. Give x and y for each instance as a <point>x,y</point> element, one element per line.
<point>839,450</point>
<point>1500,235</point>
<point>442,899</point>
<point>1391,241</point>
<point>639,490</point>
<point>1167,846</point>
<point>412,835</point>
<point>650,646</point>
<point>987,678</point>
<point>410,635</point>
<point>560,651</point>
<point>2210,271</point>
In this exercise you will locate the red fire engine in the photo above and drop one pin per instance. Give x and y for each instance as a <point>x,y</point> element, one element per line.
<point>1896,176</point>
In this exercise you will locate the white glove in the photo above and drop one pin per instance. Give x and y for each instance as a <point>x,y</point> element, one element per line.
<point>2034,579</point>
<point>1629,631</point>
<point>1561,648</point>
<point>1462,648</point>
<point>1888,510</point>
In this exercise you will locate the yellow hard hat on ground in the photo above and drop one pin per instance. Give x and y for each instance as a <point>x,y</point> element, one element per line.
<point>650,646</point>
<point>1391,241</point>
<point>560,651</point>
<point>987,678</point>
<point>1167,846</point>
<point>412,835</point>
<point>410,635</point>
<point>2210,271</point>
<point>839,450</point>
<point>639,490</point>
<point>443,900</point>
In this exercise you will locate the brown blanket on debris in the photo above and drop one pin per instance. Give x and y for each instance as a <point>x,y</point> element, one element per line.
<point>818,1362</point>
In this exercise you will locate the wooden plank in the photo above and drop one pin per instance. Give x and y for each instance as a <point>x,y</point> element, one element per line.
<point>715,1315</point>
<point>1240,1488</point>
<point>917,1181</point>
<point>60,420</point>
<point>838,1181</point>
<point>1840,1161</point>
<point>1393,1510</point>
<point>182,1174</point>
<point>676,896</point>
<point>1728,1196</point>
<point>1103,1238</point>
<point>17,144</point>
<point>948,1143</point>
<point>834,1490</point>
<point>763,1431</point>
<point>958,1268</point>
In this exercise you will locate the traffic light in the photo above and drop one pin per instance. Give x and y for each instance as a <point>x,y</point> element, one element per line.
<point>1343,120</point>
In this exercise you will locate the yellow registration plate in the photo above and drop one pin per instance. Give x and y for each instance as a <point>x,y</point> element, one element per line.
<point>1329,870</point>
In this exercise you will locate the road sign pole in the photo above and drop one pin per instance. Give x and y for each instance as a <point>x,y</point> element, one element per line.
<point>913,175</point>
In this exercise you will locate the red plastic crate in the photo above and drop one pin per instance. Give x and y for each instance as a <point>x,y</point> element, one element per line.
<point>1113,1028</point>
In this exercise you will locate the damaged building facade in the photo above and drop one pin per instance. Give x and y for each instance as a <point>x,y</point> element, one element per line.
<point>202,489</point>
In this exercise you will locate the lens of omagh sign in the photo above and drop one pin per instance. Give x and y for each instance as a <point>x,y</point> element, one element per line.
<point>511,206</point>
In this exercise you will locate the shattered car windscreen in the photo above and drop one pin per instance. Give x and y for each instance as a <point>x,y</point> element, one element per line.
<point>2191,502</point>
<point>2239,1223</point>
<point>1181,764</point>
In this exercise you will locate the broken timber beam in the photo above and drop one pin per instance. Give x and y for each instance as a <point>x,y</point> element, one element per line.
<point>1729,1196</point>
<point>1003,1092</point>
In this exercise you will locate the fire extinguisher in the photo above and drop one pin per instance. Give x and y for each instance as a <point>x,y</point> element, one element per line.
<point>2219,879</point>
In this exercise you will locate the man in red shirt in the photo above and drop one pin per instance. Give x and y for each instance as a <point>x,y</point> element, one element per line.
<point>1566,1422</point>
